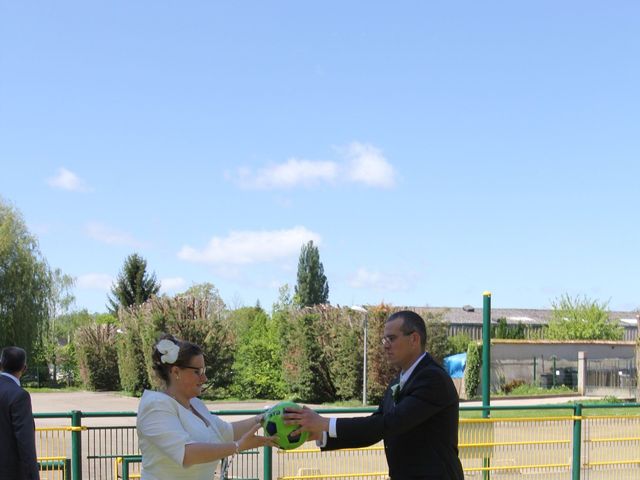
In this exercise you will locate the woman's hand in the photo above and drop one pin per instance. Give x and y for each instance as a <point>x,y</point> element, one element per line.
<point>251,440</point>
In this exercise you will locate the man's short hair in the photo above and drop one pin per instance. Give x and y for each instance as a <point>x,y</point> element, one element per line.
<point>411,322</point>
<point>12,359</point>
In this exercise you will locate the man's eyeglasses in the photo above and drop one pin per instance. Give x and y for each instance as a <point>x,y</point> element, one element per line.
<point>198,371</point>
<point>389,339</point>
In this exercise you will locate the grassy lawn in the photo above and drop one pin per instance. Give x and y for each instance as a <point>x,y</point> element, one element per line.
<point>603,408</point>
<point>532,390</point>
<point>53,390</point>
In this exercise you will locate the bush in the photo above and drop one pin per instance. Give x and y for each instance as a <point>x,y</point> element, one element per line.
<point>347,359</point>
<point>502,330</point>
<point>526,389</point>
<point>97,357</point>
<point>342,341</point>
<point>458,343</point>
<point>258,362</point>
<point>472,370</point>
<point>306,363</point>
<point>512,385</point>
<point>68,364</point>
<point>437,336</point>
<point>134,376</point>
<point>581,318</point>
<point>380,371</point>
<point>187,317</point>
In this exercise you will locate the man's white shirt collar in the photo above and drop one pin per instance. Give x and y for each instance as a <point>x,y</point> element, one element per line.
<point>404,376</point>
<point>15,379</point>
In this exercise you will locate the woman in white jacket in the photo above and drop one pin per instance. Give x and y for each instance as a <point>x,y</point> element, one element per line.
<point>178,437</point>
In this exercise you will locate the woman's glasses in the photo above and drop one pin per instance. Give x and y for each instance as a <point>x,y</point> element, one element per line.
<point>198,370</point>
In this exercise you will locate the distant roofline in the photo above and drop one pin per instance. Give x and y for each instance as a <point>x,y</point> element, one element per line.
<point>526,316</point>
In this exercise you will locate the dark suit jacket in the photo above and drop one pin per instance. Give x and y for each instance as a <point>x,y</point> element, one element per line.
<point>17,433</point>
<point>420,430</point>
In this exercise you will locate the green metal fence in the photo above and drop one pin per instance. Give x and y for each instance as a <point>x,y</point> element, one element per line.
<point>580,444</point>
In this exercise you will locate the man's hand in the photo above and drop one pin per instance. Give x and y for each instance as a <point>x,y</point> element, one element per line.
<point>309,421</point>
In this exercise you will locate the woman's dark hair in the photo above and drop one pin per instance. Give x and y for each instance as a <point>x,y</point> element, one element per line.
<point>187,351</point>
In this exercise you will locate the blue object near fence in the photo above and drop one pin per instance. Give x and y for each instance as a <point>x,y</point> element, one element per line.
<point>454,364</point>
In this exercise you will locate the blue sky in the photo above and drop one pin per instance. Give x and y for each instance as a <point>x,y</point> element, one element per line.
<point>433,150</point>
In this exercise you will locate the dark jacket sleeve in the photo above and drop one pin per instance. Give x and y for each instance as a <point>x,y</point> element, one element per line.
<point>422,399</point>
<point>365,438</point>
<point>24,430</point>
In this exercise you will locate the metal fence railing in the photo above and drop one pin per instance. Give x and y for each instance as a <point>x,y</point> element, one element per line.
<point>616,377</point>
<point>572,445</point>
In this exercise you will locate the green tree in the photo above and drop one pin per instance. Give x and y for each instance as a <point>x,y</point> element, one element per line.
<point>312,287</point>
<point>437,335</point>
<point>207,292</point>
<point>458,343</point>
<point>284,301</point>
<point>25,285</point>
<point>503,330</point>
<point>134,285</point>
<point>344,345</point>
<point>580,318</point>
<point>184,316</point>
<point>306,364</point>
<point>59,305</point>
<point>381,372</point>
<point>472,370</point>
<point>66,328</point>
<point>98,357</point>
<point>258,361</point>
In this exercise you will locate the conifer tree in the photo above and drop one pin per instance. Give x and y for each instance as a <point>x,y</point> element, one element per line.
<point>134,285</point>
<point>312,287</point>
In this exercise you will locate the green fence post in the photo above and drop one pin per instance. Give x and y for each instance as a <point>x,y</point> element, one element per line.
<point>267,462</point>
<point>534,370</point>
<point>486,367</point>
<point>577,442</point>
<point>76,445</point>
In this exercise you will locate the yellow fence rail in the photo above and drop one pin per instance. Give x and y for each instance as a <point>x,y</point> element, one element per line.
<point>53,447</point>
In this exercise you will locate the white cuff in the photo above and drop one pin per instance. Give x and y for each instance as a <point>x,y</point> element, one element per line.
<point>322,443</point>
<point>332,428</point>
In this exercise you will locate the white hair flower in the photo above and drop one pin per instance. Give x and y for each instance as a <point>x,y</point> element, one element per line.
<point>169,351</point>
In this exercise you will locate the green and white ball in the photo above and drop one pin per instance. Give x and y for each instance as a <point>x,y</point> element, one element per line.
<point>273,424</point>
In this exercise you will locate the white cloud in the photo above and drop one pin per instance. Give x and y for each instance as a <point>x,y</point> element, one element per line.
<point>105,234</point>
<point>367,165</point>
<point>95,281</point>
<point>172,284</point>
<point>67,180</point>
<point>247,247</point>
<point>362,163</point>
<point>292,173</point>
<point>380,281</point>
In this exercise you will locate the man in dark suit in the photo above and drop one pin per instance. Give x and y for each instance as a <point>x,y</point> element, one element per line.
<point>417,418</point>
<point>17,429</point>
